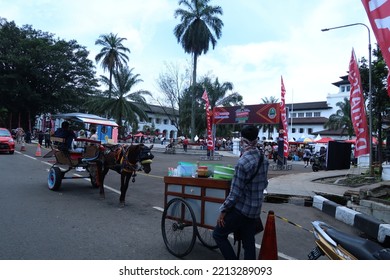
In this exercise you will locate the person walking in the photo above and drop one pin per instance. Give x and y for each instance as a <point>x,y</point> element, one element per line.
<point>185,143</point>
<point>306,156</point>
<point>240,212</point>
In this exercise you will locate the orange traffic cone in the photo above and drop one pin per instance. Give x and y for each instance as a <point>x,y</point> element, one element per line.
<point>269,247</point>
<point>38,153</point>
<point>23,147</point>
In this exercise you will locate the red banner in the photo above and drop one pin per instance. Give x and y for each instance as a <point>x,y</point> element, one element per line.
<point>247,114</point>
<point>358,112</point>
<point>210,142</point>
<point>283,117</point>
<point>378,13</point>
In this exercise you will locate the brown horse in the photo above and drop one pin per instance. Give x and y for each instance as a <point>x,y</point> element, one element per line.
<point>126,160</point>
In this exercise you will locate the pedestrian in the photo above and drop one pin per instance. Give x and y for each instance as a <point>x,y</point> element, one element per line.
<point>185,143</point>
<point>306,156</point>
<point>241,210</point>
<point>40,137</point>
<point>47,138</point>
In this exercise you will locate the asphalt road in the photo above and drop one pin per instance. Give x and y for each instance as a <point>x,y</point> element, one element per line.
<point>74,223</point>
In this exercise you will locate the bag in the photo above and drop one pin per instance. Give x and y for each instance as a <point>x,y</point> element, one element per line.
<point>259,228</point>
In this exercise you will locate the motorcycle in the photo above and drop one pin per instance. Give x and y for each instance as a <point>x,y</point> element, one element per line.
<point>318,162</point>
<point>338,245</point>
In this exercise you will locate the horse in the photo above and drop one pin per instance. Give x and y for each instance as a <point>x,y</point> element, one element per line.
<point>124,160</point>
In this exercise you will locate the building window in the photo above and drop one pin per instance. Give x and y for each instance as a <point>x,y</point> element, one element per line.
<point>309,114</point>
<point>301,115</point>
<point>165,121</point>
<point>293,115</point>
<point>172,122</point>
<point>310,130</point>
<point>150,120</point>
<point>348,88</point>
<point>317,114</point>
<point>301,130</point>
<point>158,121</point>
<point>293,130</point>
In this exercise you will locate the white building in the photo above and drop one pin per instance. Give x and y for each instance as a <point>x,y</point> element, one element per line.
<point>308,119</point>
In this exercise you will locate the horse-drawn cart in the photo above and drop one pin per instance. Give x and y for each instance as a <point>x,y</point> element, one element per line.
<point>68,160</point>
<point>191,211</point>
<point>82,159</point>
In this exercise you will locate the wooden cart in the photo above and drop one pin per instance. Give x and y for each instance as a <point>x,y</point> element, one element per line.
<point>191,209</point>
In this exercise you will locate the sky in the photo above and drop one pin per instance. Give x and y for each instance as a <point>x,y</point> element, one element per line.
<point>261,41</point>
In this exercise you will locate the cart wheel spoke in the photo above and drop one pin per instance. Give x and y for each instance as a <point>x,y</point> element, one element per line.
<point>178,227</point>
<point>205,236</point>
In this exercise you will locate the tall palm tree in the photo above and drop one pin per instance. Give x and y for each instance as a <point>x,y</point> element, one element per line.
<point>199,27</point>
<point>125,106</point>
<point>342,118</point>
<point>112,54</point>
<point>270,127</point>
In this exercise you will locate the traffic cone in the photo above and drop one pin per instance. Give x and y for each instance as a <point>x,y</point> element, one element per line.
<point>23,147</point>
<point>269,247</point>
<point>38,153</point>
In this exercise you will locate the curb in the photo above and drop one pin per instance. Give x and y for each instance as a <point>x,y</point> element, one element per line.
<point>368,224</point>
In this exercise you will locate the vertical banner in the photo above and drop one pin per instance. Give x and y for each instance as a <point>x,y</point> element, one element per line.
<point>378,12</point>
<point>210,142</point>
<point>283,117</point>
<point>358,112</point>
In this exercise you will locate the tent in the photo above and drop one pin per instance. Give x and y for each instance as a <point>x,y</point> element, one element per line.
<point>324,140</point>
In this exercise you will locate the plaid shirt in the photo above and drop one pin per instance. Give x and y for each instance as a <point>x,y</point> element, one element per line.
<point>247,198</point>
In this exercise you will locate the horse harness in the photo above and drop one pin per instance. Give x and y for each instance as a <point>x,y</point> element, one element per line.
<point>127,164</point>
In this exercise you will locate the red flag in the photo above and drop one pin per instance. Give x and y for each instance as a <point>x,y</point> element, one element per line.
<point>210,143</point>
<point>283,117</point>
<point>378,12</point>
<point>358,112</point>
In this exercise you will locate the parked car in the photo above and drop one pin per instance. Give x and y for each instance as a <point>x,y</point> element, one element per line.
<point>7,143</point>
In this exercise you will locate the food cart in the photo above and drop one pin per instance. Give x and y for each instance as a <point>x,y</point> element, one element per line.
<point>191,208</point>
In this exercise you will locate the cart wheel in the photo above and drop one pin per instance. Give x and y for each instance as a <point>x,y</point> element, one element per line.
<point>178,227</point>
<point>205,236</point>
<point>54,179</point>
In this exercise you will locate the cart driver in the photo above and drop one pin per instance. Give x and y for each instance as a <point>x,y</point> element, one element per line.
<point>68,134</point>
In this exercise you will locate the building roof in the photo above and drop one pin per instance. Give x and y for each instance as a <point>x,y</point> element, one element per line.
<point>161,110</point>
<point>344,81</point>
<point>319,105</point>
<point>332,132</point>
<point>308,120</point>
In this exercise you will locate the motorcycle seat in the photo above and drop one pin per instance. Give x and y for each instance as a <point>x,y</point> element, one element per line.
<point>361,248</point>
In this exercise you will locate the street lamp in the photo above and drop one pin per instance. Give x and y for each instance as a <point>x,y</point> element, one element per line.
<point>369,87</point>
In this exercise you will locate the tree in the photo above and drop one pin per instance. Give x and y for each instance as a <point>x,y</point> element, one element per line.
<point>199,27</point>
<point>124,106</point>
<point>342,118</point>
<point>172,84</point>
<point>380,98</point>
<point>112,55</point>
<point>40,74</point>
<point>269,127</point>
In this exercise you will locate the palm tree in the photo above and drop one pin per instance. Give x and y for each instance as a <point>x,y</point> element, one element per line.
<point>112,55</point>
<point>218,93</point>
<point>199,27</point>
<point>342,118</point>
<point>125,105</point>
<point>269,127</point>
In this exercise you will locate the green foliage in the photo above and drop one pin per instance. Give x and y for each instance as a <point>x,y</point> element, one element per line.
<point>342,118</point>
<point>124,106</point>
<point>40,74</point>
